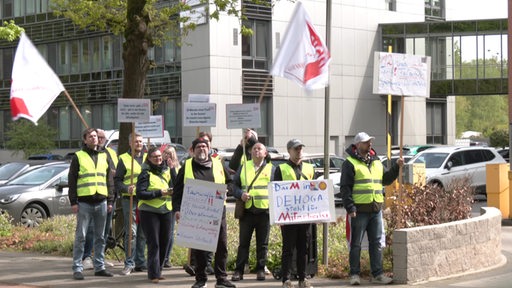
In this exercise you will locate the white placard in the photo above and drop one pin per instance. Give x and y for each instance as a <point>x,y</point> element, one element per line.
<point>293,202</point>
<point>201,215</point>
<point>401,74</point>
<point>154,128</point>
<point>199,114</point>
<point>243,116</point>
<point>199,98</point>
<point>133,110</point>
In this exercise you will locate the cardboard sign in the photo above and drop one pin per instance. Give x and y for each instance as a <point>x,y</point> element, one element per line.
<point>154,128</point>
<point>133,110</point>
<point>199,114</point>
<point>293,202</point>
<point>201,214</point>
<point>243,116</point>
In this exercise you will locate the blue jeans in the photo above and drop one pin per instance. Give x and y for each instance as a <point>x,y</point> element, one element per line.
<point>89,237</point>
<point>138,241</point>
<point>87,213</point>
<point>372,224</point>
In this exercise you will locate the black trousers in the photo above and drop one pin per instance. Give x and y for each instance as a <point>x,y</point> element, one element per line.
<point>295,236</point>
<point>157,229</point>
<point>221,255</point>
<point>248,224</point>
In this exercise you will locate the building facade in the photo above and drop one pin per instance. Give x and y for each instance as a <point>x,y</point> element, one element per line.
<point>217,60</point>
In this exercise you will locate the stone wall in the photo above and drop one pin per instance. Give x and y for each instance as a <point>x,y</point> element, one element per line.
<point>435,252</point>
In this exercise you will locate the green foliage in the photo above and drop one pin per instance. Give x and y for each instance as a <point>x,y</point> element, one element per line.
<point>499,138</point>
<point>30,139</point>
<point>481,113</point>
<point>5,225</point>
<point>10,31</point>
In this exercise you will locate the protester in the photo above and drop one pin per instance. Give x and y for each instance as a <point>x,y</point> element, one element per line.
<point>249,139</point>
<point>126,181</point>
<point>204,167</point>
<point>91,198</point>
<point>295,236</point>
<point>250,184</point>
<point>154,202</point>
<point>361,184</point>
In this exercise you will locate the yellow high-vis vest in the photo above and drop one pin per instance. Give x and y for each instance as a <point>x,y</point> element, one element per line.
<point>367,182</point>
<point>92,178</point>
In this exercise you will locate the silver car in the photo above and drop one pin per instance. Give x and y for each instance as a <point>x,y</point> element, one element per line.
<point>37,194</point>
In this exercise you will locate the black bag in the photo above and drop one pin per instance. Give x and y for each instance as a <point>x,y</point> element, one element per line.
<point>239,204</point>
<point>239,208</point>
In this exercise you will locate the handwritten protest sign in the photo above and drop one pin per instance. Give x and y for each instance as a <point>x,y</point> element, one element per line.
<point>293,202</point>
<point>201,213</point>
<point>401,74</point>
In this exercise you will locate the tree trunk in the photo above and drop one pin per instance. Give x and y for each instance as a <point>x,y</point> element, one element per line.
<point>135,58</point>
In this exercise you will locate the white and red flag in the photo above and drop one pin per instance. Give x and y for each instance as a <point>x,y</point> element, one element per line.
<point>34,85</point>
<point>303,56</point>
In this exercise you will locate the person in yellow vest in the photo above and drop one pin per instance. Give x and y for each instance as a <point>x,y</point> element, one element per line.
<point>250,184</point>
<point>361,185</point>
<point>203,167</point>
<point>112,162</point>
<point>295,236</point>
<point>154,192</point>
<point>134,259</point>
<point>171,160</point>
<point>91,198</point>
<point>249,139</point>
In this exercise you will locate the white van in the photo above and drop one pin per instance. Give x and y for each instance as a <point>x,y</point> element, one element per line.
<point>113,139</point>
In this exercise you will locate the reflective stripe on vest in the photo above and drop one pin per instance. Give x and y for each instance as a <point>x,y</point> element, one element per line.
<point>218,171</point>
<point>367,182</point>
<point>113,155</point>
<point>92,178</point>
<point>126,158</point>
<point>288,173</point>
<point>158,182</point>
<point>259,190</point>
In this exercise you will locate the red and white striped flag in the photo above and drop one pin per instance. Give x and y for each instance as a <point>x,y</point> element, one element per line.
<point>34,85</point>
<point>303,56</point>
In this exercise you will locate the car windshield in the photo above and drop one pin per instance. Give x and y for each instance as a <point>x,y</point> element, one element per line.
<point>37,176</point>
<point>431,160</point>
<point>9,169</point>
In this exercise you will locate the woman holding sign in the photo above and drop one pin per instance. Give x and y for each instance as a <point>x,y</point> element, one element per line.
<point>155,206</point>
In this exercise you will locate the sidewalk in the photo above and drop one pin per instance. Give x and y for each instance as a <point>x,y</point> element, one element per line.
<point>23,270</point>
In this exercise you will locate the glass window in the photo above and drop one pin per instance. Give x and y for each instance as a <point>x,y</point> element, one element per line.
<point>169,52</point>
<point>84,65</point>
<point>436,122</point>
<point>62,64</point>
<point>87,115</point>
<point>96,54</point>
<point>7,8</point>
<point>7,61</point>
<point>468,55</point>
<point>107,52</point>
<point>255,47</point>
<point>19,8</point>
<point>31,7</point>
<point>75,57</point>
<point>96,116</point>
<point>117,52</point>
<point>64,124</point>
<point>172,117</point>
<point>108,117</point>
<point>473,156</point>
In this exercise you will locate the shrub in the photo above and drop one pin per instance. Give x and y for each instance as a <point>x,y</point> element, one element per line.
<point>5,225</point>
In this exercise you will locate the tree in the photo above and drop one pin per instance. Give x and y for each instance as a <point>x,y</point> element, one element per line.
<point>10,31</point>
<point>143,23</point>
<point>24,136</point>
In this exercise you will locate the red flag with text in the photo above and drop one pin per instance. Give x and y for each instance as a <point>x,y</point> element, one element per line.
<point>34,85</point>
<point>303,56</point>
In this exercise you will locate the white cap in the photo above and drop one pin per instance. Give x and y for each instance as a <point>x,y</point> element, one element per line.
<point>362,137</point>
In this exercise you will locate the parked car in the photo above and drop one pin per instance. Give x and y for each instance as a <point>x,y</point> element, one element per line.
<point>504,152</point>
<point>11,170</point>
<point>384,159</point>
<point>317,160</point>
<point>446,164</point>
<point>37,194</point>
<point>336,177</point>
<point>48,156</point>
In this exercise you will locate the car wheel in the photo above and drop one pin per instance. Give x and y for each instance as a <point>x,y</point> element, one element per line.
<point>33,215</point>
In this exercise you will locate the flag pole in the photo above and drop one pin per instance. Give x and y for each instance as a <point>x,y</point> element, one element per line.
<point>76,109</point>
<point>264,89</point>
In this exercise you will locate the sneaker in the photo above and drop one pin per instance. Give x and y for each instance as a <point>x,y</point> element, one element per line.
<point>140,269</point>
<point>199,284</point>
<point>355,280</point>
<point>78,276</point>
<point>237,276</point>
<point>223,283</point>
<point>189,269</point>
<point>127,270</point>
<point>288,284</point>
<point>305,284</point>
<point>103,273</point>
<point>109,264</point>
<point>167,264</point>
<point>210,270</point>
<point>87,263</point>
<point>382,279</point>
<point>267,272</point>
